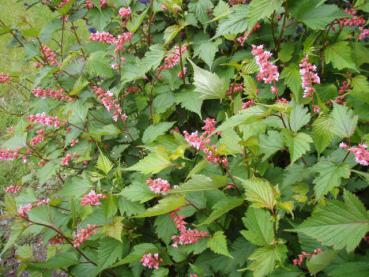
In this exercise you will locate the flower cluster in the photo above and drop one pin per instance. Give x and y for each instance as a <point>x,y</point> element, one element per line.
<point>83,234</point>
<point>309,77</point>
<point>158,185</point>
<point>49,55</point>
<point>90,5</point>
<point>186,236</point>
<point>352,21</point>
<point>49,92</point>
<point>343,88</point>
<point>38,138</point>
<point>67,159</point>
<point>361,154</point>
<point>248,104</point>
<point>151,260</point>
<point>110,103</point>
<point>4,78</point>
<point>40,202</point>
<point>268,72</point>
<point>203,143</point>
<point>102,37</point>
<point>241,39</point>
<point>237,2</point>
<point>12,189</point>
<point>235,88</point>
<point>125,12</point>
<point>122,40</point>
<point>173,57</point>
<point>43,119</point>
<point>92,198</point>
<point>305,255</point>
<point>56,240</point>
<point>9,154</point>
<point>182,74</point>
<point>24,209</point>
<point>364,33</point>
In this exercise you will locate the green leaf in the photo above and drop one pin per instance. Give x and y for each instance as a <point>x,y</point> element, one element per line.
<point>74,187</point>
<point>151,164</point>
<point>108,251</point>
<point>299,117</point>
<point>260,193</point>
<point>208,84</point>
<point>104,164</point>
<point>313,15</point>
<point>206,50</point>
<point>218,244</point>
<point>138,251</point>
<point>221,208</point>
<point>260,9</point>
<point>60,260</point>
<point>322,133</point>
<point>330,175</point>
<point>360,88</point>
<point>161,272</point>
<point>265,259</point>
<point>165,227</point>
<point>154,131</point>
<point>270,143</point>
<point>201,183</point>
<point>172,31</point>
<point>136,20</point>
<point>114,229</point>
<point>343,121</point>
<point>165,205</point>
<point>361,269</point>
<point>98,64</point>
<point>259,224</point>
<point>292,79</point>
<point>190,100</point>
<point>138,192</point>
<point>152,58</point>
<point>234,23</point>
<point>298,144</point>
<point>320,261</point>
<point>340,55</point>
<point>338,224</point>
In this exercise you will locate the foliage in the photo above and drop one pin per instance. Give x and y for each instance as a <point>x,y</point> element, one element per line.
<point>160,139</point>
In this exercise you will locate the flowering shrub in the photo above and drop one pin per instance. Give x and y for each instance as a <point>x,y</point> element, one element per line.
<point>191,138</point>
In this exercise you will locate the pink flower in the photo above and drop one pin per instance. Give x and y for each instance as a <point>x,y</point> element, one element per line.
<point>92,198</point>
<point>182,74</point>
<point>67,159</point>
<point>268,72</point>
<point>125,12</point>
<point>9,154</point>
<point>38,138</point>
<point>209,126</point>
<point>122,40</point>
<point>248,104</point>
<point>56,240</point>
<point>352,21</point>
<point>41,202</point>
<point>304,255</point>
<point>110,103</point>
<point>173,57</point>
<point>102,37</point>
<point>309,77</point>
<point>63,3</point>
<point>236,2</point>
<point>316,109</point>
<point>48,92</point>
<point>361,154</point>
<point>24,209</point>
<point>12,189</point>
<point>43,119</point>
<point>235,88</point>
<point>115,66</point>
<point>49,55</point>
<point>364,33</point>
<point>179,221</point>
<point>241,39</point>
<point>90,5</point>
<point>188,237</point>
<point>4,78</point>
<point>194,140</point>
<point>151,260</point>
<point>343,88</point>
<point>343,145</point>
<point>158,185</point>
<point>83,234</point>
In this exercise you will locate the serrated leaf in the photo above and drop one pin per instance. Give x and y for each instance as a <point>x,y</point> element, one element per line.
<point>360,88</point>
<point>338,224</point>
<point>201,183</point>
<point>298,144</point>
<point>104,164</point>
<point>299,117</point>
<point>265,259</point>
<point>136,20</point>
<point>154,131</point>
<point>151,164</point>
<point>221,208</point>
<point>108,251</point>
<point>292,79</point>
<point>114,230</point>
<point>165,205</point>
<point>152,58</point>
<point>270,143</point>
<point>138,192</point>
<point>340,55</point>
<point>343,121</point>
<point>259,224</point>
<point>260,9</point>
<point>234,23</point>
<point>320,261</point>
<point>172,31</point>
<point>260,193</point>
<point>330,175</point>
<point>136,254</point>
<point>322,133</point>
<point>218,244</point>
<point>165,227</point>
<point>206,50</point>
<point>190,100</point>
<point>98,64</point>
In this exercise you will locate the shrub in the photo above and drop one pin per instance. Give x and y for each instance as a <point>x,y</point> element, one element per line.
<point>192,138</point>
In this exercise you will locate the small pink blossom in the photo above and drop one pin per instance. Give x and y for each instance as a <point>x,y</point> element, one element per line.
<point>209,126</point>
<point>235,88</point>
<point>83,234</point>
<point>188,237</point>
<point>268,72</point>
<point>182,74</point>
<point>304,255</point>
<point>173,57</point>
<point>9,154</point>
<point>102,37</point>
<point>151,261</point>
<point>56,240</point>
<point>354,20</point>
<point>364,33</point>
<point>309,77</point>
<point>73,142</point>
<point>4,78</point>
<point>125,12</point>
<point>361,154</point>
<point>248,104</point>
<point>90,5</point>
<point>12,189</point>
<point>92,198</point>
<point>316,109</point>
<point>194,140</point>
<point>343,145</point>
<point>24,209</point>
<point>43,119</point>
<point>344,87</point>
<point>38,138</point>
<point>179,221</point>
<point>121,41</point>
<point>158,185</point>
<point>67,159</point>
<point>48,92</point>
<point>49,55</point>
<point>115,66</point>
<point>41,202</point>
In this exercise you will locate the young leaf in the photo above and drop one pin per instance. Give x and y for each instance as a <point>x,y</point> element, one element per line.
<point>260,193</point>
<point>338,224</point>
<point>165,206</point>
<point>218,244</point>
<point>208,84</point>
<point>104,164</point>
<point>343,121</point>
<point>260,9</point>
<point>154,131</point>
<point>259,224</point>
<point>298,144</point>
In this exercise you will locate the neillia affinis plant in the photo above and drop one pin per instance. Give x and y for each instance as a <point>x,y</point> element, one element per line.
<point>191,138</point>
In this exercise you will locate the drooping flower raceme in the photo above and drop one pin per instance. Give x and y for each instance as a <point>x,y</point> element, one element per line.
<point>49,92</point>
<point>49,55</point>
<point>102,37</point>
<point>364,33</point>
<point>361,154</point>
<point>352,21</point>
<point>268,72</point>
<point>179,221</point>
<point>83,234</point>
<point>305,255</point>
<point>173,57</point>
<point>125,12</point>
<point>158,185</point>
<point>24,209</point>
<point>12,189</point>
<point>43,119</point>
<point>92,198</point>
<point>4,78</point>
<point>110,103</point>
<point>151,260</point>
<point>9,154</point>
<point>309,77</point>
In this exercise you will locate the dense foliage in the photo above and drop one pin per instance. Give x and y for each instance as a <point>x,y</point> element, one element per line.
<point>191,138</point>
